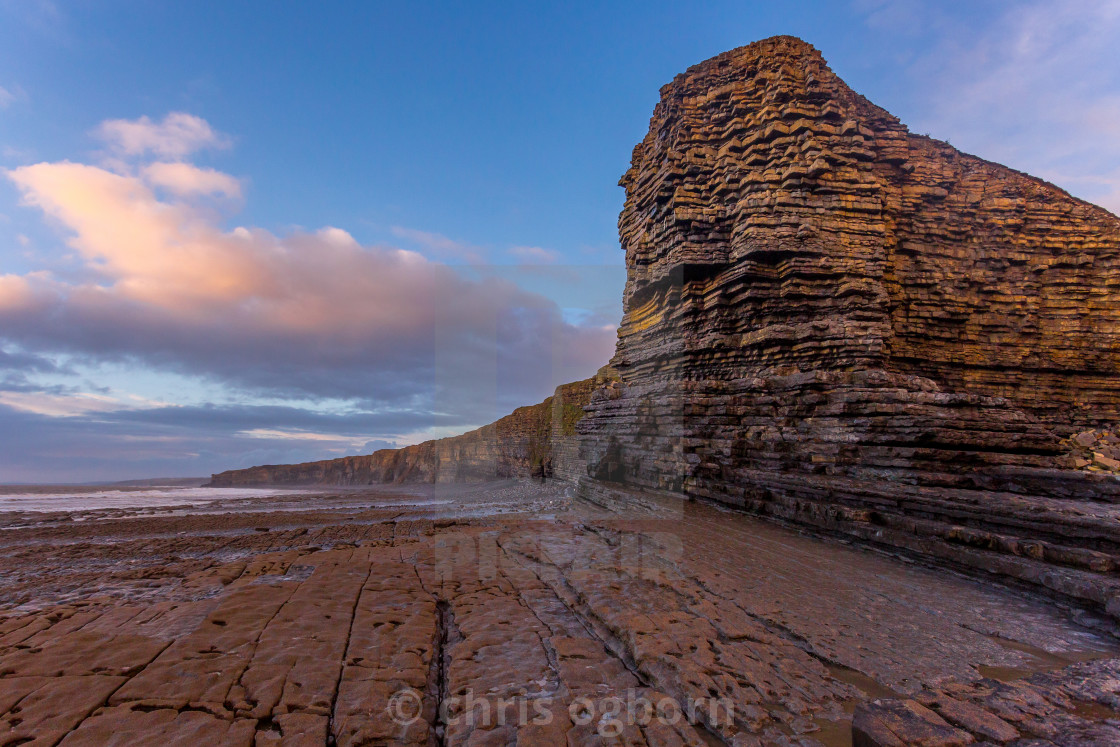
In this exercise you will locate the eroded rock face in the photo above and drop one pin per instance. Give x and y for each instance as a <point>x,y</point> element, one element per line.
<point>837,290</point>
<point>826,315</point>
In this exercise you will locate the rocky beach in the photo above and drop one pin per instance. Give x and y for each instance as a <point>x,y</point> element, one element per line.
<point>851,477</point>
<point>515,613</point>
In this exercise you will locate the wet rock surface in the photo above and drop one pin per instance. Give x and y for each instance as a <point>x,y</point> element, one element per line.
<point>511,613</point>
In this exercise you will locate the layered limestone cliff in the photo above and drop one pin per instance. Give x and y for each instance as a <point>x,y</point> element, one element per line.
<point>835,322</point>
<point>531,442</point>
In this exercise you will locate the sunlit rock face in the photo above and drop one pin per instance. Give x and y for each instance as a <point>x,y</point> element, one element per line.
<point>835,322</point>
<point>811,287</point>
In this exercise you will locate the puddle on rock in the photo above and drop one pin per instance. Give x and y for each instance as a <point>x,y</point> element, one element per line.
<point>1005,674</point>
<point>1037,661</point>
<point>833,733</point>
<point>1093,711</point>
<point>861,681</point>
<point>839,733</point>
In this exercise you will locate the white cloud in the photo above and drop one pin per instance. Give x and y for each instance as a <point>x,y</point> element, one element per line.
<point>535,255</point>
<point>439,245</point>
<point>345,442</point>
<point>72,404</point>
<point>431,434</point>
<point>183,179</point>
<point>8,96</point>
<point>294,435</point>
<point>177,136</point>
<point>1037,88</point>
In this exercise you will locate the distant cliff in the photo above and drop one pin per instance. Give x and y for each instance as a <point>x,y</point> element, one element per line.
<point>526,443</point>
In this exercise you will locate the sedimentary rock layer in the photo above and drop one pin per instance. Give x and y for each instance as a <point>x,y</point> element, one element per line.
<point>836,322</point>
<point>534,441</point>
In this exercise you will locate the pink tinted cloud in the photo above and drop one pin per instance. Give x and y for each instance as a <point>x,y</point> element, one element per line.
<point>184,180</point>
<point>158,279</point>
<point>439,245</point>
<point>15,293</point>
<point>535,255</point>
<point>177,136</point>
<point>168,255</point>
<point>162,253</point>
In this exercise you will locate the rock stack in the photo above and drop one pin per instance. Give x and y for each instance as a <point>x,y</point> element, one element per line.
<point>832,321</point>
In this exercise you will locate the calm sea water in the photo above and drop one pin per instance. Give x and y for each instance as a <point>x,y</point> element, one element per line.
<point>59,498</point>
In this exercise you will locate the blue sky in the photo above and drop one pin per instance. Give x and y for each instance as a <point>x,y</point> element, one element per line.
<point>416,202</point>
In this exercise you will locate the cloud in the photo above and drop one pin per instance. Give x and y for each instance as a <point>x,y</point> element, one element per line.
<point>343,443</point>
<point>177,136</point>
<point>8,96</point>
<point>15,293</point>
<point>184,180</point>
<point>69,405</point>
<point>293,435</point>
<point>439,245</point>
<point>535,255</point>
<point>173,441</point>
<point>19,361</point>
<point>125,444</point>
<point>241,418</point>
<point>164,254</point>
<point>328,345</point>
<point>19,369</point>
<point>157,282</point>
<point>1035,88</point>
<point>16,154</point>
<point>898,16</point>
<point>41,16</point>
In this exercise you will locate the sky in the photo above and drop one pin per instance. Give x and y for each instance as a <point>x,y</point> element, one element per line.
<point>270,232</point>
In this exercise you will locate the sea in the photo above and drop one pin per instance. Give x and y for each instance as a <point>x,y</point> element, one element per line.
<point>91,498</point>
